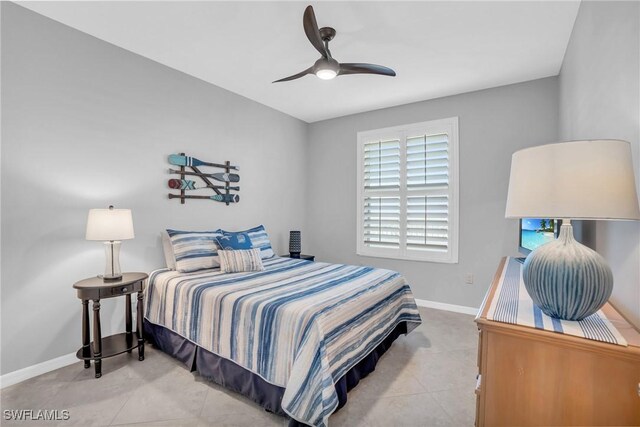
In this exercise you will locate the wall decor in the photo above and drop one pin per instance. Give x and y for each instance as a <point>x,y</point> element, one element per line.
<point>222,192</point>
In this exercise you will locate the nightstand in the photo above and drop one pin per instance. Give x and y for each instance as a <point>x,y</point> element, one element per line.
<point>95,289</point>
<point>302,256</point>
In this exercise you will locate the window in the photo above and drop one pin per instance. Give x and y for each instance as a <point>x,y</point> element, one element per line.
<point>408,192</point>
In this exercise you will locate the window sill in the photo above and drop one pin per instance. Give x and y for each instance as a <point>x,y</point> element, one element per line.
<point>418,258</point>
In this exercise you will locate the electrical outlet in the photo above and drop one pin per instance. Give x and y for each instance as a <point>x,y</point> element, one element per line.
<point>468,279</point>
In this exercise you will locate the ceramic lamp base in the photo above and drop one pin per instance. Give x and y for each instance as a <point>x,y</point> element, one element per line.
<point>566,279</point>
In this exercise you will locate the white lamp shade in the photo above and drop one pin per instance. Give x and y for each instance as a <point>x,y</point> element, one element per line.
<point>573,180</point>
<point>109,224</point>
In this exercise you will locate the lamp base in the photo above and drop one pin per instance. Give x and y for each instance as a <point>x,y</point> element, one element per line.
<point>566,279</point>
<point>112,269</point>
<point>110,278</point>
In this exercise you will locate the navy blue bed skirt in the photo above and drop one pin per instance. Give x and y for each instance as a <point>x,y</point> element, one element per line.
<point>236,378</point>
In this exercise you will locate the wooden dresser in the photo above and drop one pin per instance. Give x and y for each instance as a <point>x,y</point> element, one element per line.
<point>532,377</point>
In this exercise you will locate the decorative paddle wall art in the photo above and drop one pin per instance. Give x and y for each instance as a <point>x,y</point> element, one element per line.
<point>222,192</point>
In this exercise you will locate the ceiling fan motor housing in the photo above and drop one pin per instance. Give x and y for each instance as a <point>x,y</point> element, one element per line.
<point>327,33</point>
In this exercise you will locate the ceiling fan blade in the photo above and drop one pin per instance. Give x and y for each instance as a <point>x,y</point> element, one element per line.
<point>296,76</point>
<point>311,30</point>
<point>365,69</point>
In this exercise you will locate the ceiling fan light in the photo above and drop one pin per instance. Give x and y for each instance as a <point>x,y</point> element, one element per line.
<point>326,74</point>
<point>326,68</point>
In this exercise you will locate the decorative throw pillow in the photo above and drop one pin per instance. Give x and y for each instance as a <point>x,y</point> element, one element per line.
<point>234,241</point>
<point>259,239</point>
<point>194,250</point>
<point>241,260</point>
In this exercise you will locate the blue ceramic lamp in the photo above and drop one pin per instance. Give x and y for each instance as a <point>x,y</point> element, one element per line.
<point>591,180</point>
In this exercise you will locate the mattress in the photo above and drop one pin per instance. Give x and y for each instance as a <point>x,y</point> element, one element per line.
<point>299,325</point>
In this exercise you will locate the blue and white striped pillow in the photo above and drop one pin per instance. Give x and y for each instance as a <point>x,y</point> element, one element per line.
<point>240,260</point>
<point>194,250</point>
<point>259,239</point>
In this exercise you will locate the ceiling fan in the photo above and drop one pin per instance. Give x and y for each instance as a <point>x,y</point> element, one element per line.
<point>326,67</point>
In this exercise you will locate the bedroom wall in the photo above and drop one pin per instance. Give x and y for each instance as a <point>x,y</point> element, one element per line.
<point>493,123</point>
<point>86,124</point>
<point>600,98</point>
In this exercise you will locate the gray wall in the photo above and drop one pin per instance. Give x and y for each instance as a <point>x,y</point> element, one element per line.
<point>600,98</point>
<point>493,124</point>
<point>86,124</point>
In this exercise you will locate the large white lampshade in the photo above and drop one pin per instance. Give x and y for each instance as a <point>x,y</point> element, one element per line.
<point>577,179</point>
<point>111,226</point>
<point>571,180</point>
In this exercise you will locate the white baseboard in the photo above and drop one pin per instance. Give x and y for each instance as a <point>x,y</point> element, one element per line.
<point>448,307</point>
<point>23,374</point>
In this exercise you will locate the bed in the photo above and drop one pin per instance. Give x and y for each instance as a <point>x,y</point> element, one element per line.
<point>293,338</point>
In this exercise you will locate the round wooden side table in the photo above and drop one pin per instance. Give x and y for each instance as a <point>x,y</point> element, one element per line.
<point>95,289</point>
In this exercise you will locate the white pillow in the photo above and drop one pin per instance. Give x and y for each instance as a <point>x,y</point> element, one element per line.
<point>240,260</point>
<point>169,257</point>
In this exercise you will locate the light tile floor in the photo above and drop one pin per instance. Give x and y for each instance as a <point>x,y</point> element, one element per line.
<point>426,379</point>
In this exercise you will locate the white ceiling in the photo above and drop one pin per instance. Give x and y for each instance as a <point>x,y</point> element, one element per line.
<point>436,48</point>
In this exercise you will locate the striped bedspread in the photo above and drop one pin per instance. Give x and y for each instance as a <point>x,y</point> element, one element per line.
<point>299,325</point>
<point>513,304</point>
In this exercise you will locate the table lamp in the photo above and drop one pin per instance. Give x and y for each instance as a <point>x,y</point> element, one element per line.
<point>111,226</point>
<point>590,180</point>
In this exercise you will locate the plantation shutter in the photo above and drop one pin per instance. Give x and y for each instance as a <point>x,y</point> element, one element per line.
<point>382,222</point>
<point>428,162</point>
<point>407,191</point>
<point>381,212</point>
<point>382,165</point>
<point>427,223</point>
<point>427,192</point>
